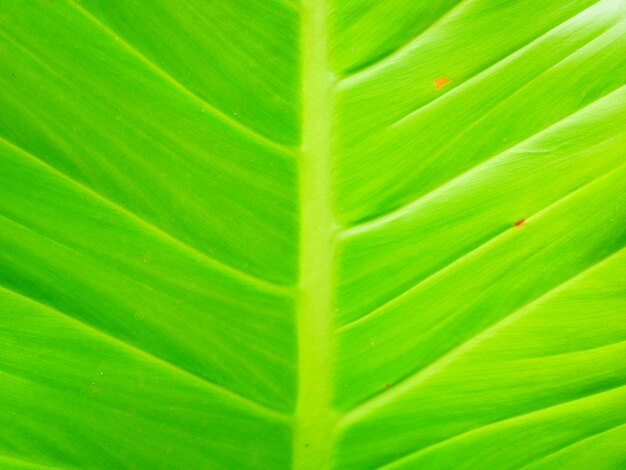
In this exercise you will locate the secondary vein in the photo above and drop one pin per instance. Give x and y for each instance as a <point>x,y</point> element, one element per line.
<point>244,129</point>
<point>160,233</point>
<point>136,350</point>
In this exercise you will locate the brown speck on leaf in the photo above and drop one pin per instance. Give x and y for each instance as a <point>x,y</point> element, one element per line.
<point>387,386</point>
<point>519,223</point>
<point>441,82</point>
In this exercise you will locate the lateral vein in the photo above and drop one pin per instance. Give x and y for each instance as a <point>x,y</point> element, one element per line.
<point>260,138</point>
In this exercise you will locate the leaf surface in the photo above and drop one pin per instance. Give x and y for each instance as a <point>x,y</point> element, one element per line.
<point>320,234</point>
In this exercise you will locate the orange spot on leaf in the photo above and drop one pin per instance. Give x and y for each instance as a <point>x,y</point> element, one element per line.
<point>519,223</point>
<point>441,82</point>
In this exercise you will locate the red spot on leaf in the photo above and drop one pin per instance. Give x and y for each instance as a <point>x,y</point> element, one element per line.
<point>520,222</point>
<point>441,82</point>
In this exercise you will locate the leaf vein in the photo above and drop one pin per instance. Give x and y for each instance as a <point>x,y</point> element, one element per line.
<point>407,384</point>
<point>260,138</point>
<point>136,350</point>
<point>371,314</point>
<point>408,208</point>
<point>160,233</point>
<point>389,57</point>
<point>574,444</point>
<point>496,424</point>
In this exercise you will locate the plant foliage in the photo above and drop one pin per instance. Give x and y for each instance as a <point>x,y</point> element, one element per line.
<point>312,234</point>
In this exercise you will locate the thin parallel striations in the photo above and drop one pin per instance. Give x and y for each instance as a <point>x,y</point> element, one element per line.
<point>292,4</point>
<point>9,459</point>
<point>378,310</point>
<point>407,209</point>
<point>137,351</point>
<point>29,53</point>
<point>355,77</point>
<point>382,62</point>
<point>223,164</point>
<point>262,352</point>
<point>583,350</point>
<point>502,422</point>
<point>486,116</point>
<point>260,138</point>
<point>373,313</point>
<point>408,383</point>
<point>574,444</point>
<point>494,67</point>
<point>160,233</point>
<point>515,93</point>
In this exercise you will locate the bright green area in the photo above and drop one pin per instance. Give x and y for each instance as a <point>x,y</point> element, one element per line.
<point>272,234</point>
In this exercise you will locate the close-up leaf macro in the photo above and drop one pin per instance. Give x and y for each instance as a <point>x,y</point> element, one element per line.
<point>312,234</point>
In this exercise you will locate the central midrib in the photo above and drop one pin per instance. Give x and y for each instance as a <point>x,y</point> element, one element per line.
<point>314,418</point>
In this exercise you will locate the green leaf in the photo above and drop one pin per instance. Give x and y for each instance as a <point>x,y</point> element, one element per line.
<point>344,234</point>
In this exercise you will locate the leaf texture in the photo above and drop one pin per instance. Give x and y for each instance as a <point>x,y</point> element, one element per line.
<point>312,234</point>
